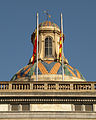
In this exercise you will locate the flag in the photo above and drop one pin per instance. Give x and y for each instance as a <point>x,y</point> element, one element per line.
<point>34,49</point>
<point>60,48</point>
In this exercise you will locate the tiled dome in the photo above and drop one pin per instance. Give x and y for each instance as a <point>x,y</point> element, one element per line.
<point>48,23</point>
<point>47,68</point>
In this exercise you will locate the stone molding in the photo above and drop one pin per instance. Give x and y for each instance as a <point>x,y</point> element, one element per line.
<point>48,115</point>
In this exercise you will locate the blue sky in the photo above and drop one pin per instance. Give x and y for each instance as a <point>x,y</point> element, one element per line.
<point>18,21</point>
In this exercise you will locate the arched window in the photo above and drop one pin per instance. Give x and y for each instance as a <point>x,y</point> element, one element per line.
<point>48,47</point>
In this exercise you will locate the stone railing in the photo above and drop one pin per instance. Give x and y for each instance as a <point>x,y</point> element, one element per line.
<point>48,85</point>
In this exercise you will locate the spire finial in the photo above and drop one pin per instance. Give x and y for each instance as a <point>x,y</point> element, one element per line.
<point>47,14</point>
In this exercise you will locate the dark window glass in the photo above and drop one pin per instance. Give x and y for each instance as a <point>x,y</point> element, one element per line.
<point>89,107</point>
<point>50,51</point>
<point>77,107</point>
<point>25,107</point>
<point>48,47</point>
<point>46,42</point>
<point>50,42</point>
<point>14,107</point>
<point>46,51</point>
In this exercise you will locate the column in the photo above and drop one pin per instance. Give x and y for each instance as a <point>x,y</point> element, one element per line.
<point>9,107</point>
<point>57,86</point>
<point>83,107</point>
<point>30,107</point>
<point>45,86</point>
<point>31,86</point>
<point>71,86</point>
<point>73,107</point>
<point>19,107</point>
<point>10,86</point>
<point>92,86</point>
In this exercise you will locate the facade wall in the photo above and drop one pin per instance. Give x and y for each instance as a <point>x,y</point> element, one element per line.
<point>55,77</point>
<point>46,119</point>
<point>48,107</point>
<point>72,101</point>
<point>47,116</point>
<point>51,107</point>
<point>4,107</point>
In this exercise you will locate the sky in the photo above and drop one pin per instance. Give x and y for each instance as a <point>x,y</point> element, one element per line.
<point>18,21</point>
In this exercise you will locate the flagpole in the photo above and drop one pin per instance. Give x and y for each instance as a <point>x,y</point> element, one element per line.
<point>62,46</point>
<point>37,48</point>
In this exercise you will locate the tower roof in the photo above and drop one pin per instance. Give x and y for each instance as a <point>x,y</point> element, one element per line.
<point>48,23</point>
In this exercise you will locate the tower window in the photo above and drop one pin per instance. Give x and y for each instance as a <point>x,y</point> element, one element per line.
<point>48,47</point>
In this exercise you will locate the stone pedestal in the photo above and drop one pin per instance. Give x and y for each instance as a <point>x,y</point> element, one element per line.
<point>94,107</point>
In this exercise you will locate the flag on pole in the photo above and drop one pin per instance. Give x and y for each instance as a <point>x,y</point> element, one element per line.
<point>34,49</point>
<point>60,48</point>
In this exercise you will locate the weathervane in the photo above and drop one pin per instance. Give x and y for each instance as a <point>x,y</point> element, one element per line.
<point>47,14</point>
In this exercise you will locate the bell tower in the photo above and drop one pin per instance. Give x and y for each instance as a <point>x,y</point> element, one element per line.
<point>49,35</point>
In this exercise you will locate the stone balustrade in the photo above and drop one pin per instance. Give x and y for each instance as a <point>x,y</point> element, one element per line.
<point>47,85</point>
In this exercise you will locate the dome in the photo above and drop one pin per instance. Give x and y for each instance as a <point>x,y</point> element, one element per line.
<point>48,70</point>
<point>48,23</point>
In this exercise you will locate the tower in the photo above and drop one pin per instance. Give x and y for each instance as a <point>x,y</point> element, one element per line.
<point>48,98</point>
<point>49,66</point>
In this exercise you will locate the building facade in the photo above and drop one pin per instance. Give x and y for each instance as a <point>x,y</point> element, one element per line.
<point>50,97</point>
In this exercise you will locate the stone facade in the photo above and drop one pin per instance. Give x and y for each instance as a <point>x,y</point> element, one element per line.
<point>47,100</point>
